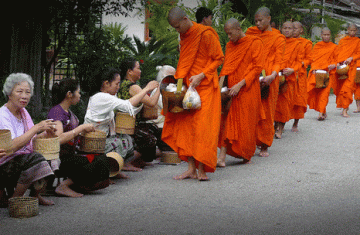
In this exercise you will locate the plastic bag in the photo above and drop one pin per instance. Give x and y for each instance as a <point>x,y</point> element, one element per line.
<point>191,99</point>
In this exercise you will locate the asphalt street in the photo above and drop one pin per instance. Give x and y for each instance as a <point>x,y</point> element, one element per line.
<point>310,184</point>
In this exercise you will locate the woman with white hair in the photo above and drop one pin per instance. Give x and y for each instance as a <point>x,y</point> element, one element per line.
<point>23,168</point>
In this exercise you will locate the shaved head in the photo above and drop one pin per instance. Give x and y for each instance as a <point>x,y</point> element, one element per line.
<point>298,29</point>
<point>263,11</point>
<point>176,14</point>
<point>287,29</point>
<point>352,30</point>
<point>325,29</point>
<point>232,23</point>
<point>326,34</point>
<point>352,25</point>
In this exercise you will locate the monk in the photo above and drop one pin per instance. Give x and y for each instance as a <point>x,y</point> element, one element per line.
<point>357,88</point>
<point>273,52</point>
<point>348,53</point>
<point>291,65</point>
<point>300,96</point>
<point>322,57</point>
<point>243,64</point>
<point>194,134</point>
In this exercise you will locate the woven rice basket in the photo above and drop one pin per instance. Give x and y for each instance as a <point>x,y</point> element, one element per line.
<point>172,101</point>
<point>23,207</point>
<point>93,142</point>
<point>116,163</point>
<point>125,124</point>
<point>170,157</point>
<point>281,80</point>
<point>321,78</point>
<point>5,140</point>
<point>357,77</point>
<point>149,113</point>
<point>342,70</point>
<point>48,147</point>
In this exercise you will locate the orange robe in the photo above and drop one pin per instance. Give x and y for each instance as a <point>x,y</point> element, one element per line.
<point>323,54</point>
<point>300,95</point>
<point>344,88</point>
<point>194,133</point>
<point>292,59</point>
<point>273,52</point>
<point>243,60</point>
<point>357,85</point>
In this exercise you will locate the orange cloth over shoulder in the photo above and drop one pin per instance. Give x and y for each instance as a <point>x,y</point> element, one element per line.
<point>292,59</point>
<point>300,93</point>
<point>273,52</point>
<point>323,54</point>
<point>344,88</point>
<point>194,133</point>
<point>243,60</point>
<point>357,85</point>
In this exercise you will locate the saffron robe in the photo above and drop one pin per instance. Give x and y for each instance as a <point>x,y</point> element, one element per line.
<point>344,88</point>
<point>300,93</point>
<point>292,59</point>
<point>357,85</point>
<point>273,52</point>
<point>323,54</point>
<point>194,133</point>
<point>243,60</point>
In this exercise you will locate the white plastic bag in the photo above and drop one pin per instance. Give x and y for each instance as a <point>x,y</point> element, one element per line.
<point>191,99</point>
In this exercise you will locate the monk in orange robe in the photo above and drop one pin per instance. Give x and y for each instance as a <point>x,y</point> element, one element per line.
<point>357,88</point>
<point>291,65</point>
<point>322,57</point>
<point>300,96</point>
<point>194,134</point>
<point>273,52</point>
<point>348,53</point>
<point>243,64</point>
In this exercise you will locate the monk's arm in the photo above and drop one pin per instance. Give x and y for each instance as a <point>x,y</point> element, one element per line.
<point>214,52</point>
<point>258,63</point>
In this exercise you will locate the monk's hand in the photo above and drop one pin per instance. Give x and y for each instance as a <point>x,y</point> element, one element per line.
<point>196,79</point>
<point>234,90</point>
<point>332,66</point>
<point>288,71</point>
<point>348,60</point>
<point>267,80</point>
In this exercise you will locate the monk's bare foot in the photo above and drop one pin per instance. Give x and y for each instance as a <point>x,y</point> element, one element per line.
<point>189,174</point>
<point>245,161</point>
<point>45,202</point>
<point>122,176</point>
<point>344,113</point>
<point>65,190</point>
<point>278,134</point>
<point>129,167</point>
<point>294,129</point>
<point>264,153</point>
<point>357,111</point>
<point>203,177</point>
<point>220,163</point>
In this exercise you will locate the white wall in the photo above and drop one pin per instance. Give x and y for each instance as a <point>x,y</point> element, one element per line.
<point>135,22</point>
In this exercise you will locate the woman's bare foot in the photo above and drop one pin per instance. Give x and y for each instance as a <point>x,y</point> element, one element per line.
<point>45,202</point>
<point>122,176</point>
<point>189,174</point>
<point>65,190</point>
<point>130,167</point>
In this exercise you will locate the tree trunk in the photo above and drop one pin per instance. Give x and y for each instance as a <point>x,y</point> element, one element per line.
<point>26,47</point>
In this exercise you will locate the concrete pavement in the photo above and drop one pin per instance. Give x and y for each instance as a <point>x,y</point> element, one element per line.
<point>310,184</point>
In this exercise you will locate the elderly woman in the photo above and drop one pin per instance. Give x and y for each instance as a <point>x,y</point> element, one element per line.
<point>23,168</point>
<point>84,171</point>
<point>146,134</point>
<point>101,108</point>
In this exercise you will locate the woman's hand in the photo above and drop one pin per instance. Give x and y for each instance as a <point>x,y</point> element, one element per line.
<point>88,127</point>
<point>151,86</point>
<point>46,125</point>
<point>2,153</point>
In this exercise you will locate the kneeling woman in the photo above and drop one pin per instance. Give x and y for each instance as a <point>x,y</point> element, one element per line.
<point>23,168</point>
<point>101,108</point>
<point>84,171</point>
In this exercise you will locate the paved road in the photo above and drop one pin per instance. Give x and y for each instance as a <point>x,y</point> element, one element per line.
<point>309,185</point>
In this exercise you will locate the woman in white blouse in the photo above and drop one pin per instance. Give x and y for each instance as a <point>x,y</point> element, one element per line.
<point>100,112</point>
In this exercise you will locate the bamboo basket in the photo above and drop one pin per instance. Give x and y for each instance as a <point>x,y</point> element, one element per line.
<point>170,157</point>
<point>23,207</point>
<point>282,79</point>
<point>116,163</point>
<point>125,124</point>
<point>357,77</point>
<point>93,142</point>
<point>172,101</point>
<point>321,78</point>
<point>5,141</point>
<point>48,147</point>
<point>342,70</point>
<point>149,113</point>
